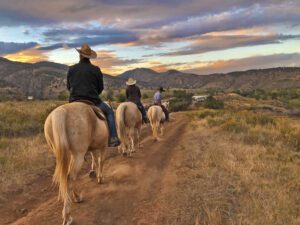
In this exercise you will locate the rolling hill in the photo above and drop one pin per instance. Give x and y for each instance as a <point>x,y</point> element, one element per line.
<point>41,80</point>
<point>251,79</point>
<point>44,80</point>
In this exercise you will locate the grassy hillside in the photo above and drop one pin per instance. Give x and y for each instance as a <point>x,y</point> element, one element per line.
<point>236,165</point>
<point>47,80</point>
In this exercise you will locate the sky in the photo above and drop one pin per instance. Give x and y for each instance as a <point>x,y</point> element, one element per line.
<point>201,37</point>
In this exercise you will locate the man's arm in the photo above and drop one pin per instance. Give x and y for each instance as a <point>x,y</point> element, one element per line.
<point>139,92</point>
<point>100,81</point>
<point>68,80</point>
<point>127,93</point>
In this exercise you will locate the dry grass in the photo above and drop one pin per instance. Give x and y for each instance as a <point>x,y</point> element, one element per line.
<point>24,118</point>
<point>23,150</point>
<point>222,180</point>
<point>254,128</point>
<point>231,168</point>
<point>23,159</point>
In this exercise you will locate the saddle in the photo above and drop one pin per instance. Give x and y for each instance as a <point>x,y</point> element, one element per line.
<point>100,115</point>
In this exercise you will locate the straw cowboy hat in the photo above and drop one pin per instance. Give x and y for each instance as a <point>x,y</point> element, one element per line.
<point>131,81</point>
<point>87,52</point>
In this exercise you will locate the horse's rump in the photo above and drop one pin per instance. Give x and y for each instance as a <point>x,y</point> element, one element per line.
<point>128,121</point>
<point>71,130</point>
<point>96,109</point>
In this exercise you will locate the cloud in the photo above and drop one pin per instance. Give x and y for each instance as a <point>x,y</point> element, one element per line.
<point>110,63</point>
<point>25,31</point>
<point>254,62</point>
<point>76,36</point>
<point>143,14</point>
<point>237,18</point>
<point>29,55</point>
<point>209,43</point>
<point>12,47</point>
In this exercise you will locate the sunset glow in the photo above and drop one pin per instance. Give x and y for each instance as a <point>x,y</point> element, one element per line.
<point>198,37</point>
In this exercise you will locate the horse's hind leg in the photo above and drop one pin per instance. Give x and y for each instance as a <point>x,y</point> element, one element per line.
<point>138,136</point>
<point>156,127</point>
<point>157,131</point>
<point>67,218</point>
<point>92,172</point>
<point>131,138</point>
<point>100,165</point>
<point>74,170</point>
<point>161,130</point>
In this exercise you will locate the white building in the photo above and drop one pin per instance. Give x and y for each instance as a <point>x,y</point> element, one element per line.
<point>199,98</point>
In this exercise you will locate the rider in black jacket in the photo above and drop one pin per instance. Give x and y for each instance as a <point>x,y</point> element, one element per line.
<point>85,82</point>
<point>133,94</point>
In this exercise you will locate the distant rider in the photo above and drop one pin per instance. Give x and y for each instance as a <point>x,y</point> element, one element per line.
<point>85,82</point>
<point>158,101</point>
<point>133,94</point>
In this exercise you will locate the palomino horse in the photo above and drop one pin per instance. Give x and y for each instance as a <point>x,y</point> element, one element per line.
<point>129,124</point>
<point>71,130</point>
<point>156,117</point>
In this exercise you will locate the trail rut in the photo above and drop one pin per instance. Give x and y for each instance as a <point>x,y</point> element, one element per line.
<point>130,186</point>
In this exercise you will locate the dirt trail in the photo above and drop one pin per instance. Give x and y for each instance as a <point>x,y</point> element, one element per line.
<point>130,187</point>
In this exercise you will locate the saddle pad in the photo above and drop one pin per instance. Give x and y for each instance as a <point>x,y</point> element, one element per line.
<point>96,110</point>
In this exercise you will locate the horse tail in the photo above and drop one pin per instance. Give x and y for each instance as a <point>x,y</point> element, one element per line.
<point>120,119</point>
<point>150,115</point>
<point>62,153</point>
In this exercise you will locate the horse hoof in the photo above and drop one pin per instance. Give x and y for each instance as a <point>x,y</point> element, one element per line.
<point>92,174</point>
<point>68,222</point>
<point>78,199</point>
<point>100,180</point>
<point>125,154</point>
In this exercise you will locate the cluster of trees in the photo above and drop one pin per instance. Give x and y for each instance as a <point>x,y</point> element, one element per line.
<point>278,94</point>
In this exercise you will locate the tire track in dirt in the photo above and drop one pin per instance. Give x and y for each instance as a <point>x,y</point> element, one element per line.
<point>129,184</point>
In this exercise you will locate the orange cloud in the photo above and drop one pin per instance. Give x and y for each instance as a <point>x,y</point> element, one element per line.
<point>110,63</point>
<point>245,31</point>
<point>253,62</point>
<point>157,66</point>
<point>128,44</point>
<point>29,55</point>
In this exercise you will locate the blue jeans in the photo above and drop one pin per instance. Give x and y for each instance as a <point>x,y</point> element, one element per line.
<point>109,113</point>
<point>142,109</point>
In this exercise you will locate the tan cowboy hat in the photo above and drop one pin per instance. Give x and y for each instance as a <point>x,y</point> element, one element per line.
<point>131,81</point>
<point>87,52</point>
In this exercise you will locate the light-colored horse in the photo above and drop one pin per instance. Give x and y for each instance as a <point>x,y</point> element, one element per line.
<point>156,117</point>
<point>71,130</point>
<point>129,124</point>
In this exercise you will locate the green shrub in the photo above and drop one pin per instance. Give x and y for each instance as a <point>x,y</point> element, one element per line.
<point>182,94</point>
<point>63,95</point>
<point>121,97</point>
<point>213,103</point>
<point>181,101</point>
<point>109,95</point>
<point>145,96</point>
<point>179,105</point>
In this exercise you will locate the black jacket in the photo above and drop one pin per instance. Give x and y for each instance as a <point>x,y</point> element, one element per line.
<point>133,93</point>
<point>85,82</point>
